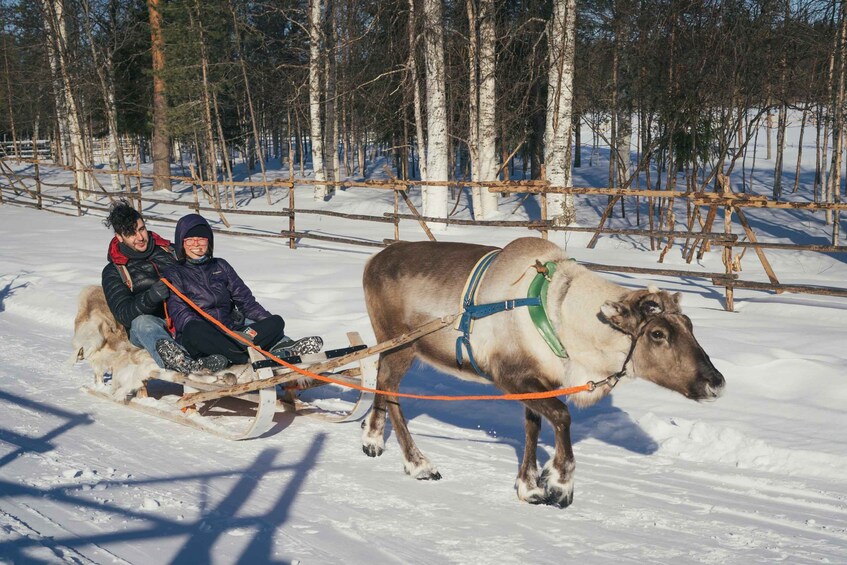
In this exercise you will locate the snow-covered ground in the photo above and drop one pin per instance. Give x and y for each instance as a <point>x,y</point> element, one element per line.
<point>757,476</point>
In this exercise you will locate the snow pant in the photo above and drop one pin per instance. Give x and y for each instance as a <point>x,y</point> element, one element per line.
<point>145,331</point>
<point>201,338</point>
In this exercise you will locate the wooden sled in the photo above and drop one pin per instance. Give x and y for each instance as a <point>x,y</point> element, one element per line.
<point>253,413</point>
<point>269,398</point>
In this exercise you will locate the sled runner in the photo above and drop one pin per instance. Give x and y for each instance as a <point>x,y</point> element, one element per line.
<point>253,413</point>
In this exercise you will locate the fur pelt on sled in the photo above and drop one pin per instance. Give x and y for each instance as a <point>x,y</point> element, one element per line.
<point>103,342</point>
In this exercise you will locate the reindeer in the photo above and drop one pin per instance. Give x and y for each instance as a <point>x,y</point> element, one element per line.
<point>606,332</point>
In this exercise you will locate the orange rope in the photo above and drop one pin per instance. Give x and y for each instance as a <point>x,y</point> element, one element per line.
<point>523,396</point>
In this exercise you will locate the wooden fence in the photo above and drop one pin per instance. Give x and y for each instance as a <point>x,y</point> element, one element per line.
<point>27,189</point>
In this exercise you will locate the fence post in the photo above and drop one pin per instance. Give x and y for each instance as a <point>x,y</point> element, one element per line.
<point>728,288</point>
<point>37,183</point>
<point>78,201</point>
<point>396,215</point>
<point>292,241</point>
<point>727,258</point>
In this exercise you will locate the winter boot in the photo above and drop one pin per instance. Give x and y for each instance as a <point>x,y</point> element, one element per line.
<point>286,347</point>
<point>176,358</point>
<point>214,363</point>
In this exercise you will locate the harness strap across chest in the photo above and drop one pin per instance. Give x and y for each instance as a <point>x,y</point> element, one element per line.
<point>536,302</point>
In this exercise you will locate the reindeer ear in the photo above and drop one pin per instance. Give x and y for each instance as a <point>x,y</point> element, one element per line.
<point>618,315</point>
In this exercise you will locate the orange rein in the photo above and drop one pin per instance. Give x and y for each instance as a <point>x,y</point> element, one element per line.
<point>523,396</point>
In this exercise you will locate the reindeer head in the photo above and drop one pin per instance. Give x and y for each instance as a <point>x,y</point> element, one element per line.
<point>665,350</point>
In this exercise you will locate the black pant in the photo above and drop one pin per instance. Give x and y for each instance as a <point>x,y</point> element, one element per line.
<point>201,338</point>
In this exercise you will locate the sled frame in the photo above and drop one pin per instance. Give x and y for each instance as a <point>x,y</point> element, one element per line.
<point>268,400</point>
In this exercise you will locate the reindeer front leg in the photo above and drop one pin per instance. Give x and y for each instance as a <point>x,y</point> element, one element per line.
<point>526,483</point>
<point>558,474</point>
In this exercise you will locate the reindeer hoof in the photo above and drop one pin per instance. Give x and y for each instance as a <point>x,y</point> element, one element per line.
<point>423,471</point>
<point>428,476</point>
<point>557,497</point>
<point>372,450</point>
<point>530,492</point>
<point>557,492</point>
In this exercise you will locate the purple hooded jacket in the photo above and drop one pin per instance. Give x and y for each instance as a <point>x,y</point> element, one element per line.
<point>213,285</point>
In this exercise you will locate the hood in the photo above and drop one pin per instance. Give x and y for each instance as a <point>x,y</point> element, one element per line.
<point>183,226</point>
<point>118,257</point>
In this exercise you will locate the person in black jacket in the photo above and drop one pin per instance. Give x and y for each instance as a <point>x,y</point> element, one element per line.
<point>131,282</point>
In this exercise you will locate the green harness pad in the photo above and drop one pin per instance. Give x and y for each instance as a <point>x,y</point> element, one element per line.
<point>538,288</point>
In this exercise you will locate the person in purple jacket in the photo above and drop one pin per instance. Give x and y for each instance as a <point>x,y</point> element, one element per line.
<point>212,284</point>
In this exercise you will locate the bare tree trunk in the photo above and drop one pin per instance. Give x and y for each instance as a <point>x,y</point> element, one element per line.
<point>107,86</point>
<point>782,124</point>
<point>57,32</point>
<point>817,188</point>
<point>211,149</point>
<point>838,121</point>
<point>768,128</point>
<point>416,92</point>
<point>315,71</point>
<point>9,97</point>
<point>291,146</point>
<point>562,44</point>
<point>613,121</point>
<point>260,153</point>
<point>803,123</point>
<point>437,152</point>
<point>782,120</point>
<point>362,142</point>
<point>160,145</point>
<point>487,154</point>
<point>473,106</point>
<point>331,162</point>
<point>224,153</point>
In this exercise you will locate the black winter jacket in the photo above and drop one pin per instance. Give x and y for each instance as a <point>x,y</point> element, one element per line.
<point>145,268</point>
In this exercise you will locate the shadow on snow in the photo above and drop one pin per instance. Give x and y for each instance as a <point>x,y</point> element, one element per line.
<point>200,534</point>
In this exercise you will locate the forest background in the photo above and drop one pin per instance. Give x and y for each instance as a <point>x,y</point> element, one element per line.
<point>475,90</point>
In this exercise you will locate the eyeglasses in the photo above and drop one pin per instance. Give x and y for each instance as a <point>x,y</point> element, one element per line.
<point>196,241</point>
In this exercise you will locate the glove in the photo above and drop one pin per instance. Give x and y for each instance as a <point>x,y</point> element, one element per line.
<point>158,292</point>
<point>249,333</point>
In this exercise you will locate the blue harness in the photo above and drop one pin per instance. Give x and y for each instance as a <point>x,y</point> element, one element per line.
<point>475,311</point>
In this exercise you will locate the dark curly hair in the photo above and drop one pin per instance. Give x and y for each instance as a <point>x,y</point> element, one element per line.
<point>122,218</point>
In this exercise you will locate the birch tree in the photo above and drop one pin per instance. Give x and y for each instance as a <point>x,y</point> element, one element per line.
<point>437,168</point>
<point>315,71</point>
<point>561,43</point>
<point>488,105</point>
<point>66,106</point>
<point>838,98</point>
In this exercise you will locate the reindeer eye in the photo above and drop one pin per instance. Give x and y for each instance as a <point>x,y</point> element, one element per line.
<point>657,335</point>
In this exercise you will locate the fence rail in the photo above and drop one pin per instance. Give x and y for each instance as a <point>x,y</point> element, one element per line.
<point>26,189</point>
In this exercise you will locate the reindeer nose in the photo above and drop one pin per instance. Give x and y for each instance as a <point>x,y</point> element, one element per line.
<point>714,379</point>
